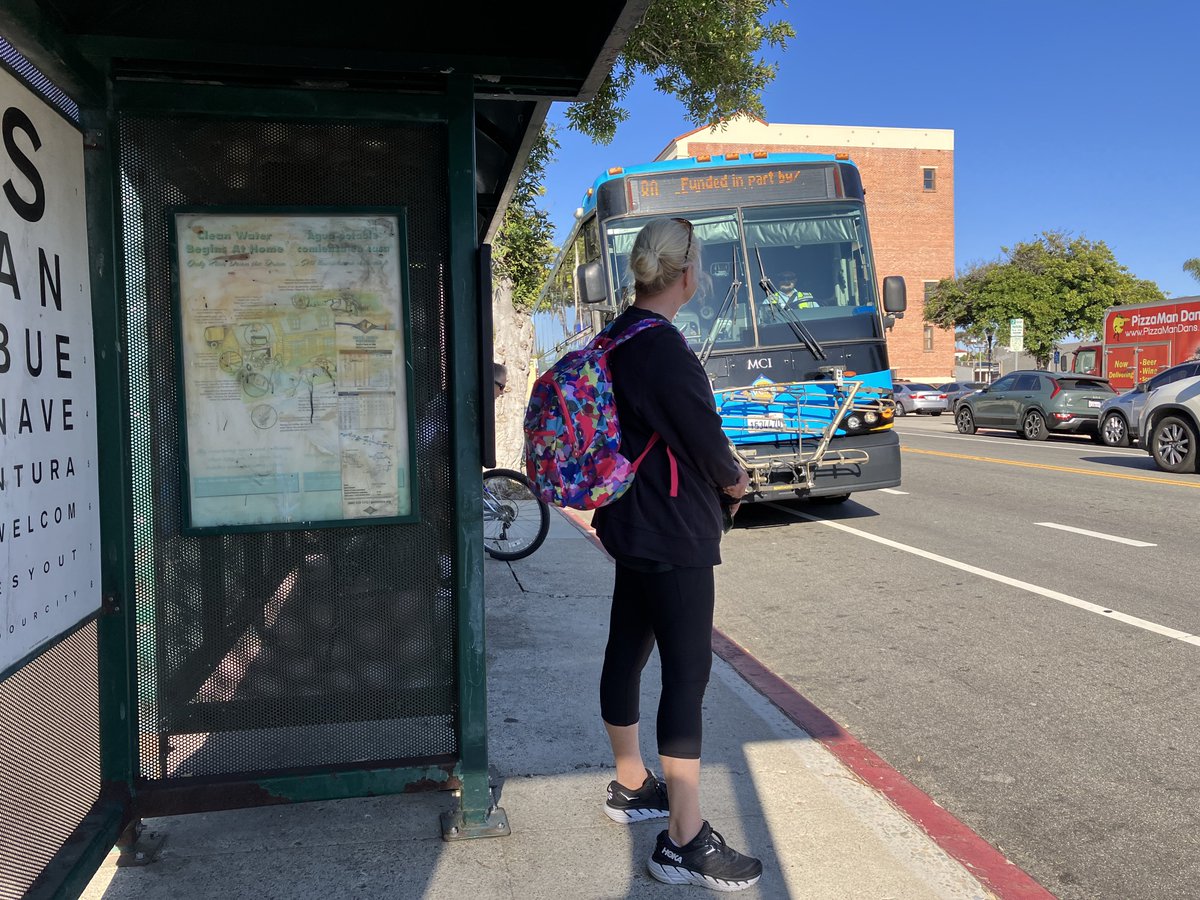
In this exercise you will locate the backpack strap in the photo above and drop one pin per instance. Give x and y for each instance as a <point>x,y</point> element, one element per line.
<point>611,342</point>
<point>670,456</point>
<point>625,335</point>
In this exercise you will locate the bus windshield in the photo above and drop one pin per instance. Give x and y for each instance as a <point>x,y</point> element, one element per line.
<point>761,267</point>
<point>810,263</point>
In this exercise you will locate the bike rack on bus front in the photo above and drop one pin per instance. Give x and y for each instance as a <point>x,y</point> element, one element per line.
<point>789,415</point>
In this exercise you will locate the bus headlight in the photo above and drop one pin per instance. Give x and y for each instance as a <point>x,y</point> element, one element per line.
<point>859,420</point>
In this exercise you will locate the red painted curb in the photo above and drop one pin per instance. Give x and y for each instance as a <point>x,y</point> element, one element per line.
<point>980,858</point>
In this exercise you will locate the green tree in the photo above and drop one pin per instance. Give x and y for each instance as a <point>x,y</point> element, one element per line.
<point>1060,285</point>
<point>523,249</point>
<point>1192,267</point>
<point>703,53</point>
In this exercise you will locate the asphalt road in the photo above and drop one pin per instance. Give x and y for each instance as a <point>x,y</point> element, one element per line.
<point>1037,680</point>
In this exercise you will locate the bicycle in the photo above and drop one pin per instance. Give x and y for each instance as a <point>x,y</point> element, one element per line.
<point>515,519</point>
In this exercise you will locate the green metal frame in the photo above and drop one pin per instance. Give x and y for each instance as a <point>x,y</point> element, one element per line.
<point>476,814</point>
<point>210,794</point>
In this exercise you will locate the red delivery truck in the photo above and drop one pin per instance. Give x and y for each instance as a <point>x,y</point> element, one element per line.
<point>1141,340</point>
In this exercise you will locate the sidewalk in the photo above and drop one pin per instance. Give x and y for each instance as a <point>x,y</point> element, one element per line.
<point>817,817</point>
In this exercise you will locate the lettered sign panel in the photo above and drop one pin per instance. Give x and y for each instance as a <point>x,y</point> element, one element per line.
<point>49,497</point>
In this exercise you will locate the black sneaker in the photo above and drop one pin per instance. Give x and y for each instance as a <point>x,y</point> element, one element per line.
<point>706,861</point>
<point>647,802</point>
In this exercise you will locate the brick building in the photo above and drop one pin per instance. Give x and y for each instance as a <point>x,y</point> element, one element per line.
<point>908,174</point>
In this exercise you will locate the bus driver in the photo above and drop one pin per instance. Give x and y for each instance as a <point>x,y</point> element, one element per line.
<point>787,297</point>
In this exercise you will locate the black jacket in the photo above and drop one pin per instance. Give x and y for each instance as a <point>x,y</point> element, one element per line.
<point>660,386</point>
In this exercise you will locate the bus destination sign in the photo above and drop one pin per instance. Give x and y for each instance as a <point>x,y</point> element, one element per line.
<point>699,188</point>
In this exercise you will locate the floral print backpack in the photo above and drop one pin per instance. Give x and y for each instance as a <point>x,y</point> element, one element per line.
<point>572,436</point>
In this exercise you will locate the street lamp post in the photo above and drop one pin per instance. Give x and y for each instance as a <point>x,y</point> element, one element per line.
<point>990,337</point>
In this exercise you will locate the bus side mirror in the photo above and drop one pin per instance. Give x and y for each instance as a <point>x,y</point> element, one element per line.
<point>895,297</point>
<point>589,279</point>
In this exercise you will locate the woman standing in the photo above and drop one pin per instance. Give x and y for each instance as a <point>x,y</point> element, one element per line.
<point>664,534</point>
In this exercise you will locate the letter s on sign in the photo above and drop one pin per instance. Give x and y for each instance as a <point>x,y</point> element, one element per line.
<point>30,211</point>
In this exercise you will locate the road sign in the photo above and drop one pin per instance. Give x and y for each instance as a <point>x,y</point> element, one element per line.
<point>1016,335</point>
<point>1057,357</point>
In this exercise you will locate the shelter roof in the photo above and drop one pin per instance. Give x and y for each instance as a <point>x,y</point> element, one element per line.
<point>520,58</point>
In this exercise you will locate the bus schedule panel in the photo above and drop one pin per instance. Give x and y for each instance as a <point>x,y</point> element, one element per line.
<point>700,188</point>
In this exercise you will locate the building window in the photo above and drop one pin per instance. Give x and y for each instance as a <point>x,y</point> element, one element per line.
<point>929,286</point>
<point>928,338</point>
<point>929,178</point>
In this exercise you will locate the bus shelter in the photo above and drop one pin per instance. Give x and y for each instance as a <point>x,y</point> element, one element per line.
<point>244,401</point>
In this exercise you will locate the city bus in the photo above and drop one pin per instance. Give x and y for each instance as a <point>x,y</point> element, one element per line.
<point>805,394</point>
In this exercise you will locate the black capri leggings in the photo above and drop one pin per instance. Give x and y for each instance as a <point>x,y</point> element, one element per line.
<point>674,609</point>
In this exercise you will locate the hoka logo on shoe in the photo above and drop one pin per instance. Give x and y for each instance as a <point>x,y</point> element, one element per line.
<point>672,855</point>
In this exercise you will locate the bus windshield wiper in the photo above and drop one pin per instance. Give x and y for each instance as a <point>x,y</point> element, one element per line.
<point>798,328</point>
<point>727,303</point>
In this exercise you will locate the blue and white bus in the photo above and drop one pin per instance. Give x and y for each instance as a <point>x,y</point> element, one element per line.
<point>804,388</point>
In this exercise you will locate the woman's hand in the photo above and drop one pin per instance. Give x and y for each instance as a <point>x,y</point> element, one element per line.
<point>738,491</point>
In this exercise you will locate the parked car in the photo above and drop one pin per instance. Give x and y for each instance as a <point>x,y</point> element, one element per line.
<point>956,390</point>
<point>1169,421</point>
<point>915,397</point>
<point>1120,414</point>
<point>1119,417</point>
<point>1035,403</point>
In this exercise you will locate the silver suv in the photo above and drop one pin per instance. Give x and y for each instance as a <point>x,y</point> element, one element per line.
<point>1170,421</point>
<point>1120,415</point>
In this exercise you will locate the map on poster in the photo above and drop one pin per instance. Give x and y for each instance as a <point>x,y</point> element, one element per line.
<point>49,480</point>
<point>293,366</point>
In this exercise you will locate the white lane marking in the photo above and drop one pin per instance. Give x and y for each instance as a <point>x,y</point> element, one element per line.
<point>1145,624</point>
<point>1096,534</point>
<point>1075,445</point>
<point>893,491</point>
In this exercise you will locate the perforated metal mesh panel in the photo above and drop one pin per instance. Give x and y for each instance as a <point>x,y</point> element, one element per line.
<point>49,756</point>
<point>286,650</point>
<point>14,59</point>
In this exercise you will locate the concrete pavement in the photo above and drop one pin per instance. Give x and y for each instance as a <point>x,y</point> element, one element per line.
<point>828,818</point>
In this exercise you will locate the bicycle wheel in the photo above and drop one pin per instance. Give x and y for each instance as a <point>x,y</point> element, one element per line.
<point>515,520</point>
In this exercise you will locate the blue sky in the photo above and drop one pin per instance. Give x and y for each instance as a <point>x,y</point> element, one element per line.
<point>1067,115</point>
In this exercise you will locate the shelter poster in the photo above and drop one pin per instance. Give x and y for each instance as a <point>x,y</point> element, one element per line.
<point>293,368</point>
<point>49,486</point>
